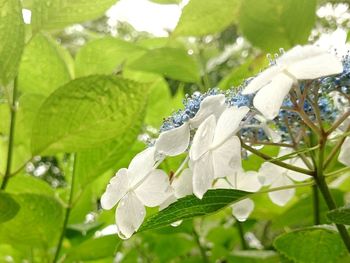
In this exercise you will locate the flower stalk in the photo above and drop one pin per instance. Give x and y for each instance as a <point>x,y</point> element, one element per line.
<point>67,212</point>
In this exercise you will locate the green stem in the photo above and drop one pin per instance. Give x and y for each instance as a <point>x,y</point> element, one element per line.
<point>322,185</point>
<point>68,209</point>
<point>279,163</point>
<point>201,248</point>
<point>241,235</point>
<point>338,172</point>
<point>11,136</point>
<point>316,203</point>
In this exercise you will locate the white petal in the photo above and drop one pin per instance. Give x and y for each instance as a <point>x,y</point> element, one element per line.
<point>141,165</point>
<point>299,177</point>
<point>129,215</point>
<point>228,124</point>
<point>227,157</point>
<point>268,173</point>
<point>154,190</point>
<point>271,134</point>
<point>211,105</point>
<point>269,99</point>
<point>245,181</point>
<point>222,183</point>
<point>316,67</point>
<point>171,199</point>
<point>174,141</point>
<point>203,175</point>
<point>116,189</point>
<point>261,80</point>
<point>183,184</point>
<point>283,196</point>
<point>299,53</point>
<point>344,155</point>
<point>242,209</point>
<point>203,138</point>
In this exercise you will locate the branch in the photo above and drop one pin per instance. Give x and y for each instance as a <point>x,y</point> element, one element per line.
<point>276,162</point>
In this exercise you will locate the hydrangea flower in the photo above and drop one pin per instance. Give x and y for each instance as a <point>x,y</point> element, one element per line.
<point>215,151</point>
<point>175,141</point>
<point>344,155</point>
<point>134,188</point>
<point>299,63</point>
<point>245,181</point>
<point>277,176</point>
<point>181,185</point>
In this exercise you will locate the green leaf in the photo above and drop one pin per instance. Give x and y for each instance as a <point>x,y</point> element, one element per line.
<point>42,68</point>
<point>19,185</point>
<point>37,223</point>
<point>95,248</point>
<point>340,215</point>
<point>12,39</point>
<point>157,109</point>
<point>170,62</point>
<point>55,14</point>
<point>213,16</point>
<point>311,245</point>
<point>274,24</point>
<point>86,113</point>
<point>90,59</point>
<point>249,68</point>
<point>191,206</point>
<point>28,106</point>
<point>8,207</point>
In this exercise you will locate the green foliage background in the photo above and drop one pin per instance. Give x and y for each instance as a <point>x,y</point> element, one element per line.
<point>86,96</point>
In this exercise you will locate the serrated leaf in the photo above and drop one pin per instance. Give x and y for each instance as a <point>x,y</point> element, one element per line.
<point>116,52</point>
<point>37,224</point>
<point>190,206</point>
<point>42,68</point>
<point>8,207</point>
<point>95,248</point>
<point>86,113</point>
<point>55,14</point>
<point>311,245</point>
<point>213,16</point>
<point>173,63</point>
<point>274,24</point>
<point>12,39</point>
<point>340,215</point>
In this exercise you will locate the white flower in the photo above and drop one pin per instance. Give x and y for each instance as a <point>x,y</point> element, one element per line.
<point>181,185</point>
<point>344,155</point>
<point>176,141</point>
<point>336,41</point>
<point>245,181</point>
<point>215,151</point>
<point>299,63</point>
<point>274,136</point>
<point>134,188</point>
<point>277,176</point>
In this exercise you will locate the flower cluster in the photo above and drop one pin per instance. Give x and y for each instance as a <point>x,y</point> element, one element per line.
<point>210,130</point>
